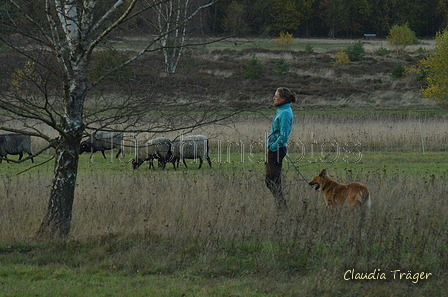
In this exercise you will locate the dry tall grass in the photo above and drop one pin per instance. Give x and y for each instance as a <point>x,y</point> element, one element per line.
<point>380,133</point>
<point>214,209</point>
<point>406,226</point>
<point>237,140</point>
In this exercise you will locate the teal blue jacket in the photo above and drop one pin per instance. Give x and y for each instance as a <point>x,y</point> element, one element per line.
<point>281,127</point>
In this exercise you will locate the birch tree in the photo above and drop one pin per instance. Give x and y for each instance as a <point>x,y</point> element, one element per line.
<point>58,39</point>
<point>169,15</point>
<point>171,25</point>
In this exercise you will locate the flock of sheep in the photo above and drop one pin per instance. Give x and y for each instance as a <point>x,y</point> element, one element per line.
<point>161,149</point>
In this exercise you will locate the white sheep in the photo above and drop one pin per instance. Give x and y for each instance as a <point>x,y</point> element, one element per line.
<point>158,148</point>
<point>190,147</point>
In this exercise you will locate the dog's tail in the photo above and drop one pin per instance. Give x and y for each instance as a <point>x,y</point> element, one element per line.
<point>369,202</point>
<point>364,198</point>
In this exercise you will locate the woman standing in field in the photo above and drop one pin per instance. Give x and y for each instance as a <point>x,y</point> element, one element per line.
<point>277,143</point>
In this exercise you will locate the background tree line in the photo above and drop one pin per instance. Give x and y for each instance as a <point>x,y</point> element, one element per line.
<point>302,18</point>
<point>332,18</point>
<point>307,18</point>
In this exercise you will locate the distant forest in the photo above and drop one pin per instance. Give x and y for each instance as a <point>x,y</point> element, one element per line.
<point>320,18</point>
<point>301,18</point>
<point>328,18</point>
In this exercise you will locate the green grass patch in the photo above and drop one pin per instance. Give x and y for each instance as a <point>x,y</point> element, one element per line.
<point>208,268</point>
<point>360,162</point>
<point>317,45</point>
<point>269,44</point>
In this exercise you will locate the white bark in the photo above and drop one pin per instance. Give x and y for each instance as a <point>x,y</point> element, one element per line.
<point>172,24</point>
<point>68,16</point>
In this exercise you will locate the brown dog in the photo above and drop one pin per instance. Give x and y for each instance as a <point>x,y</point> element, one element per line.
<point>354,194</point>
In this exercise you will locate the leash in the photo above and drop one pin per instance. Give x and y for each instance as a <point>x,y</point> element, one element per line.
<point>297,169</point>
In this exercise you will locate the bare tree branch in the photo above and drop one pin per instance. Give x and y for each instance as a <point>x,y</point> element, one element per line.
<point>111,27</point>
<point>51,85</point>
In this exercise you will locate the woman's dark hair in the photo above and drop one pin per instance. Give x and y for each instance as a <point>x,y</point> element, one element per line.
<point>286,94</point>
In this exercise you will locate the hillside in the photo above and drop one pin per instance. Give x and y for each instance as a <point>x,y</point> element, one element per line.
<point>218,72</point>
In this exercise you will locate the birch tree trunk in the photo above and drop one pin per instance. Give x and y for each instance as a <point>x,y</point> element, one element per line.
<point>57,220</point>
<point>172,27</point>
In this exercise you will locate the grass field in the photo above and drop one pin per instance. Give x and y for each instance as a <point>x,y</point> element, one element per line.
<point>215,231</point>
<point>318,45</point>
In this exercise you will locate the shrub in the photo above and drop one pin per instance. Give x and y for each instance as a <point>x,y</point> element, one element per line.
<point>341,58</point>
<point>355,51</point>
<point>382,51</point>
<point>423,74</point>
<point>188,60</point>
<point>26,80</point>
<point>398,71</point>
<point>415,71</point>
<point>24,75</point>
<point>421,51</point>
<point>108,60</point>
<point>401,36</point>
<point>434,70</point>
<point>309,49</point>
<point>281,67</point>
<point>285,39</point>
<point>254,69</point>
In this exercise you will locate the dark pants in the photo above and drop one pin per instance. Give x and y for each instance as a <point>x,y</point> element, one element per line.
<point>274,176</point>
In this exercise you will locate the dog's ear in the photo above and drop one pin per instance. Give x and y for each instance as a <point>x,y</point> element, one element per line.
<point>323,173</point>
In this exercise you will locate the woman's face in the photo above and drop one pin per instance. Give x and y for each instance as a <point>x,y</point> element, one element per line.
<point>278,100</point>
